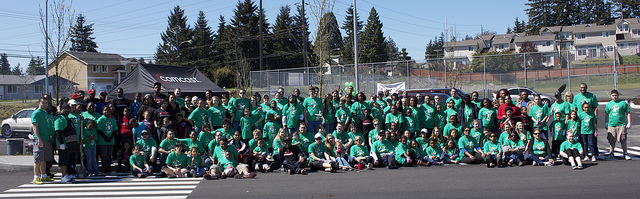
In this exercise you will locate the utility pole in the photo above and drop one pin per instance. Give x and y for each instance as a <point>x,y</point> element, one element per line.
<point>260,30</point>
<point>46,48</point>
<point>355,44</point>
<point>304,34</point>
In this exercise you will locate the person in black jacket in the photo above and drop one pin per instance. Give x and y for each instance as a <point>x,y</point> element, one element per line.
<point>467,111</point>
<point>68,142</point>
<point>292,158</point>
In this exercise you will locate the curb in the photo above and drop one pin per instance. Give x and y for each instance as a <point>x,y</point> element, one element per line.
<point>633,105</point>
<point>10,167</point>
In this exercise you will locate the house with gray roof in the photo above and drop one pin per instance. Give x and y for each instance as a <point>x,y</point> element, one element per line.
<point>16,87</point>
<point>102,70</point>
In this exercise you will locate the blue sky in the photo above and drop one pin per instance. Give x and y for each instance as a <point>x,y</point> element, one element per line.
<point>132,28</point>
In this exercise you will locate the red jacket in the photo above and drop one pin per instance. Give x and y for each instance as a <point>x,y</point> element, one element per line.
<point>501,112</point>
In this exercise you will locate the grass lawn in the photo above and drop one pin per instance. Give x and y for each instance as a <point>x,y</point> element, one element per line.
<point>10,107</point>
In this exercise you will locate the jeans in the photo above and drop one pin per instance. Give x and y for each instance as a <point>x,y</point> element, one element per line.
<point>144,172</point>
<point>516,157</point>
<point>589,145</point>
<point>236,126</point>
<point>198,129</point>
<point>534,158</point>
<point>105,156</point>
<point>92,161</point>
<point>491,158</point>
<point>291,165</point>
<point>544,134</point>
<point>314,126</point>
<point>329,127</point>
<point>198,172</point>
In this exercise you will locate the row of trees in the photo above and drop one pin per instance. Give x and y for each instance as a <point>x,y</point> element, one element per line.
<point>230,53</point>
<point>36,67</point>
<point>544,13</point>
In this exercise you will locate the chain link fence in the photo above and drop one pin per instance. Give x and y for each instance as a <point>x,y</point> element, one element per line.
<point>544,72</point>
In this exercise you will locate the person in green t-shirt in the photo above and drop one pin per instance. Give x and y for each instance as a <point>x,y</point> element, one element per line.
<point>139,166</point>
<point>403,153</point>
<point>198,116</point>
<point>469,148</point>
<point>585,97</point>
<point>488,115</point>
<point>246,124</point>
<point>558,132</point>
<point>539,114</point>
<point>216,113</point>
<point>195,163</point>
<point>89,143</point>
<point>382,152</point>
<point>343,114</point>
<point>360,153</point>
<point>434,153</point>
<point>192,141</point>
<point>588,126</point>
<point>513,149</point>
<point>454,97</point>
<point>292,115</point>
<point>571,151</point>
<point>148,146</point>
<point>617,120</point>
<point>440,119</point>
<point>538,150</point>
<point>313,110</point>
<point>319,157</point>
<point>260,154</point>
<point>492,151</point>
<point>177,163</point>
<point>394,117</point>
<point>205,137</point>
<point>107,128</point>
<point>451,110</point>
<point>167,146</point>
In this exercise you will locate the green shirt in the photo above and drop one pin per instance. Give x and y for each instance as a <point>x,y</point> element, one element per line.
<point>538,113</point>
<point>108,126</point>
<point>167,145</point>
<point>59,125</point>
<point>373,134</point>
<point>449,112</point>
<point>411,124</point>
<point>352,136</point>
<point>75,118</point>
<point>449,126</point>
<point>187,144</point>
<point>329,115</point>
<point>147,145</point>
<point>313,106</point>
<point>178,161</point>
<point>195,162</point>
<point>246,123</point>
<point>85,138</point>
<point>424,143</point>
<point>441,119</point>
<point>455,99</point>
<point>589,98</point>
<point>204,138</point>
<point>563,107</point>
<point>399,153</point>
<point>382,147</point>
<point>277,143</point>
<point>317,149</point>
<point>45,124</point>
<point>492,148</point>
<point>224,162</point>
<point>305,140</point>
<point>137,160</point>
<point>504,137</point>
<point>431,152</point>
<point>573,126</point>
<point>216,113</point>
<point>476,134</point>
<point>427,116</point>
<point>567,145</point>
<point>357,108</point>
<point>359,151</point>
<point>342,114</point>
<point>227,133</point>
<point>539,148</point>
<point>391,118</point>
<point>212,145</point>
<point>199,117</point>
<point>487,116</point>
<point>292,112</point>
<point>558,129</point>
<point>617,112</point>
<point>468,114</point>
<point>270,131</point>
<point>513,144</point>
<point>239,105</point>
<point>341,136</point>
<point>587,121</point>
<point>468,144</point>
<point>90,116</point>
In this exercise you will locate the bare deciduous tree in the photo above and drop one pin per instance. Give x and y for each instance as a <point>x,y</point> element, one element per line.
<point>60,19</point>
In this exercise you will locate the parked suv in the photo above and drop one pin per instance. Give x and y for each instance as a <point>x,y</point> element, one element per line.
<point>18,123</point>
<point>515,91</point>
<point>412,92</point>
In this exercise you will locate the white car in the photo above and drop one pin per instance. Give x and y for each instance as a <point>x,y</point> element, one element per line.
<point>18,123</point>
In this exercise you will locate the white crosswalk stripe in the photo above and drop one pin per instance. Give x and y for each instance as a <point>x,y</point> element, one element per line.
<point>114,186</point>
<point>633,151</point>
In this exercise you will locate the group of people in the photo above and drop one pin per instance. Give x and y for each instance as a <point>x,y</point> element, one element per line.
<point>241,134</point>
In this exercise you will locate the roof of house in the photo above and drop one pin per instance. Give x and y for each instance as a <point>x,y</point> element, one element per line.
<point>533,38</point>
<point>505,38</point>
<point>96,58</point>
<point>26,79</point>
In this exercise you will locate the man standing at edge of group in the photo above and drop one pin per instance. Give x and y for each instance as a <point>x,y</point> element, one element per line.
<point>42,125</point>
<point>617,120</point>
<point>240,103</point>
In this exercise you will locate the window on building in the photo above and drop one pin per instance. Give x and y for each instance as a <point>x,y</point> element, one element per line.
<point>582,52</point>
<point>605,34</point>
<point>38,89</point>
<point>132,67</point>
<point>546,43</point>
<point>609,48</point>
<point>12,89</point>
<point>105,69</point>
<point>96,68</point>
<point>623,46</point>
<point>470,48</point>
<point>581,36</point>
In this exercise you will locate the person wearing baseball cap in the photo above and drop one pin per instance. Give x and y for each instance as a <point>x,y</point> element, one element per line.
<point>292,158</point>
<point>319,156</point>
<point>149,147</point>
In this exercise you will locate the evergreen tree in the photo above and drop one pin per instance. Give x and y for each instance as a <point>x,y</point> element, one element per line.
<point>628,8</point>
<point>392,49</point>
<point>141,60</point>
<point>174,39</point>
<point>328,37</point>
<point>519,26</point>
<point>435,48</point>
<point>5,67</point>
<point>16,70</point>
<point>347,26</point>
<point>541,14</point>
<point>509,31</point>
<point>373,45</point>
<point>602,12</point>
<point>244,25</point>
<point>200,55</point>
<point>300,34</point>
<point>81,39</point>
<point>36,66</point>
<point>404,55</point>
<point>282,43</point>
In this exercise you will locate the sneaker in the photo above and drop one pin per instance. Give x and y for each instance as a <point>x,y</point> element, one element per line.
<point>574,167</point>
<point>627,157</point>
<point>548,164</point>
<point>369,166</point>
<point>249,175</point>
<point>303,171</point>
<point>579,167</point>
<point>585,159</point>
<point>47,179</point>
<point>72,176</point>
<point>37,181</point>
<point>520,163</point>
<point>535,163</point>
<point>65,179</point>
<point>594,159</point>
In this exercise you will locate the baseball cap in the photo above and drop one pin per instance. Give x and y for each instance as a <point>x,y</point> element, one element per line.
<point>380,92</point>
<point>144,132</point>
<point>91,91</point>
<point>73,102</point>
<point>318,135</point>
